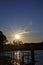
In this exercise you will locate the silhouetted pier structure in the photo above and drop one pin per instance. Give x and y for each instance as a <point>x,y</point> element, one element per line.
<point>31,47</point>
<point>26,47</point>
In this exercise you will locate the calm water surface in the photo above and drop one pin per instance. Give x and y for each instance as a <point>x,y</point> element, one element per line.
<point>18,56</point>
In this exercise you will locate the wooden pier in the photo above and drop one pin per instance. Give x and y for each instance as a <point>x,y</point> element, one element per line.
<point>26,47</point>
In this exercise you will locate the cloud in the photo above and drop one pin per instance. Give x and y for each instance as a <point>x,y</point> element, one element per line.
<point>24,32</point>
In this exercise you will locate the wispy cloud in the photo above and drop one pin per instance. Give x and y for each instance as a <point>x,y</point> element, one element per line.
<point>24,32</point>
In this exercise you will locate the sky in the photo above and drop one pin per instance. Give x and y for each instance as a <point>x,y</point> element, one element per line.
<point>22,16</point>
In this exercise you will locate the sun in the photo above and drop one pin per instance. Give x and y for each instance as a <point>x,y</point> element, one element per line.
<point>17,36</point>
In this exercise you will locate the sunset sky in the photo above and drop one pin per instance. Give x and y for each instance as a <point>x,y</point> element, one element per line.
<point>24,17</point>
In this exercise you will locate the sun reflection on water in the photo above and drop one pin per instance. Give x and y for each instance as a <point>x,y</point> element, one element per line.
<point>17,55</point>
<point>17,58</point>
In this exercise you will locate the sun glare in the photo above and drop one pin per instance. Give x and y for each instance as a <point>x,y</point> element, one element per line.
<point>17,36</point>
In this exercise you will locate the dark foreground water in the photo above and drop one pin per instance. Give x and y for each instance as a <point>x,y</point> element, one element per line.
<point>24,56</point>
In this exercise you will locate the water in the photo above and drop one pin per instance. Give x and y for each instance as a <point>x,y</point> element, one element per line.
<point>18,56</point>
<point>39,57</point>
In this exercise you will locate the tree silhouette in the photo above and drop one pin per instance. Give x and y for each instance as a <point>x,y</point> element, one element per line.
<point>3,38</point>
<point>17,42</point>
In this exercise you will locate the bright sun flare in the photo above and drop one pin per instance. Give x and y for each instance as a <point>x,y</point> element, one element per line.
<point>17,36</point>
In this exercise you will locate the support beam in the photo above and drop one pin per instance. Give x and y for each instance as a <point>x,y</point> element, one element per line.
<point>32,58</point>
<point>23,59</point>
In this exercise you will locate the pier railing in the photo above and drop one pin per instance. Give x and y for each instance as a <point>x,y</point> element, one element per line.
<point>27,46</point>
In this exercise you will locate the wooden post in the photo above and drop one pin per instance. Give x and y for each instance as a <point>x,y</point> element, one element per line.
<point>32,58</point>
<point>23,59</point>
